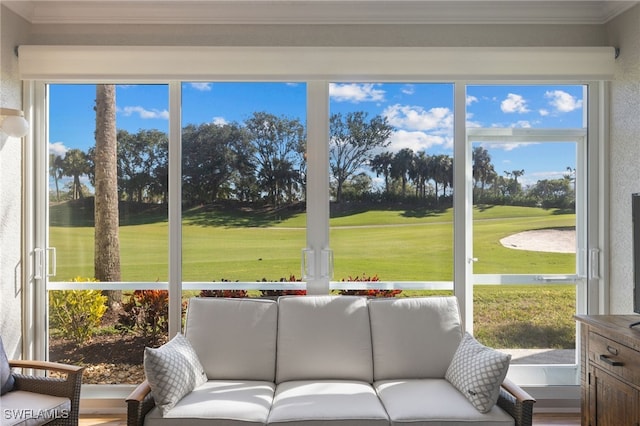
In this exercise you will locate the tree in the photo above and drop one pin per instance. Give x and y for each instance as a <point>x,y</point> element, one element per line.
<point>571,177</point>
<point>279,144</point>
<point>56,171</point>
<point>401,165</point>
<point>381,165</point>
<point>420,173</point>
<point>441,172</point>
<point>75,164</point>
<point>483,170</point>
<point>553,193</point>
<point>140,156</point>
<point>353,143</point>
<point>515,185</point>
<point>357,187</point>
<point>211,156</point>
<point>107,240</point>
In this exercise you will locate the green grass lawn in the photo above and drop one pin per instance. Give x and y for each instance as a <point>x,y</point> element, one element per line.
<point>395,245</point>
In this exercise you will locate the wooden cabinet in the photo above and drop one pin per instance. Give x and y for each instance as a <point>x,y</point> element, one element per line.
<point>610,370</point>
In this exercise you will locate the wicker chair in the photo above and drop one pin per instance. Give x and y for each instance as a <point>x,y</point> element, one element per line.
<point>67,386</point>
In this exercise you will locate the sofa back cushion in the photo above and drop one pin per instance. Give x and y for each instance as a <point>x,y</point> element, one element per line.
<point>414,337</point>
<point>324,337</point>
<point>234,338</point>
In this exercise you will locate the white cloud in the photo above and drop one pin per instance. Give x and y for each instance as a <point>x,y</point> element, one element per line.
<point>417,141</point>
<point>543,112</point>
<point>203,87</point>
<point>521,124</point>
<point>145,113</point>
<point>514,103</point>
<point>219,121</point>
<point>408,89</point>
<point>355,93</point>
<point>417,118</point>
<point>471,99</point>
<point>562,101</point>
<point>509,146</point>
<point>58,149</point>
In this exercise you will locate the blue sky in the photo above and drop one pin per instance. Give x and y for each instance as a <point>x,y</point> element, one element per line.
<point>422,114</point>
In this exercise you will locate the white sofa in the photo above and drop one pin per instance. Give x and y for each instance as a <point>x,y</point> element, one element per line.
<point>321,360</point>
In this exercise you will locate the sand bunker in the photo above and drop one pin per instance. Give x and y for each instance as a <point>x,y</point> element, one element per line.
<point>558,240</point>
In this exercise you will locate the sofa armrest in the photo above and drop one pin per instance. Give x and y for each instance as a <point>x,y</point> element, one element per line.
<point>139,403</point>
<point>68,386</point>
<point>518,403</point>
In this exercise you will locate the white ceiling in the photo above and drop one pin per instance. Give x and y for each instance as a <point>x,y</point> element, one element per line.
<point>317,11</point>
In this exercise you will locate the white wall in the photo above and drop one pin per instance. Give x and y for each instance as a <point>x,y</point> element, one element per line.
<point>13,30</point>
<point>624,32</point>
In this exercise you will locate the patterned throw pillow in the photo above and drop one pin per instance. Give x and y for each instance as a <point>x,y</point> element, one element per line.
<point>172,370</point>
<point>478,371</point>
<point>6,378</point>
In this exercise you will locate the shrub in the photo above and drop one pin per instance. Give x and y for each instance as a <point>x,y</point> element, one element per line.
<point>77,313</point>
<point>146,311</point>
<point>368,292</point>
<point>224,293</point>
<point>276,293</point>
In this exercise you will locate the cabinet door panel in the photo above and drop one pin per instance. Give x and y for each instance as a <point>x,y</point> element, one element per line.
<point>613,403</point>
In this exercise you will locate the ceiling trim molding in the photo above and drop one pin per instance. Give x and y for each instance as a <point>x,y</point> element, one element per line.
<point>318,11</point>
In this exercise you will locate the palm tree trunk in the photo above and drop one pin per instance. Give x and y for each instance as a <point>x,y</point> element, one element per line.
<point>107,240</point>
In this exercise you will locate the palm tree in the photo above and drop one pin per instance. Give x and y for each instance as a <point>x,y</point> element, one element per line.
<point>444,172</point>
<point>381,165</point>
<point>420,173</point>
<point>55,171</point>
<point>483,171</point>
<point>402,163</point>
<point>75,164</point>
<point>441,171</point>
<point>107,240</point>
<point>516,174</point>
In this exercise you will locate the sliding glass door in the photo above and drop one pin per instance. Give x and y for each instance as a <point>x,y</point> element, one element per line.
<point>529,157</point>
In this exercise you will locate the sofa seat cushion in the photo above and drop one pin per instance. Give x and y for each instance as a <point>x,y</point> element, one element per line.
<point>30,409</point>
<point>427,402</point>
<point>414,338</point>
<point>219,403</point>
<point>324,338</point>
<point>334,402</point>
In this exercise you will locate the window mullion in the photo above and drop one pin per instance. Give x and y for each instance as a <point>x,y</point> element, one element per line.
<point>317,183</point>
<point>175,208</point>
<point>462,212</point>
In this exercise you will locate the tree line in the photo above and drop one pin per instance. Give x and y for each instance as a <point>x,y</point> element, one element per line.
<point>264,160</point>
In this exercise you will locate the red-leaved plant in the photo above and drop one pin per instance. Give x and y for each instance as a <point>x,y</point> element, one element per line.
<point>368,292</point>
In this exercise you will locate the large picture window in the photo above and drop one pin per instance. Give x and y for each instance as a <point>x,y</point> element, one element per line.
<point>303,180</point>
